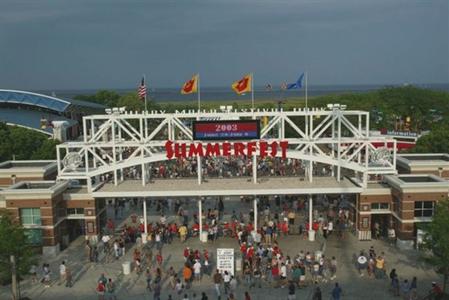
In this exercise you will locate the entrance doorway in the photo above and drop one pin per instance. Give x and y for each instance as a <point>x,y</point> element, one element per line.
<point>379,225</point>
<point>76,227</point>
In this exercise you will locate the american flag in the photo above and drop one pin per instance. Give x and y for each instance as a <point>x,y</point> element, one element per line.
<point>142,91</point>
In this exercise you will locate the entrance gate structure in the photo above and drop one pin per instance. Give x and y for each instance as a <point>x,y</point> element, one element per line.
<point>331,136</point>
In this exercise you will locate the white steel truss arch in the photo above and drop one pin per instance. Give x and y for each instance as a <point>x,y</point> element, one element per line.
<point>335,137</point>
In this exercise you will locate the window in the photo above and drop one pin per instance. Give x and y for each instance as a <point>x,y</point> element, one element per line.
<point>424,209</point>
<point>30,216</point>
<point>375,206</point>
<point>34,236</point>
<point>75,211</point>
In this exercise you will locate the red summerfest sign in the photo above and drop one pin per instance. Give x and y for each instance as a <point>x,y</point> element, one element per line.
<point>184,150</point>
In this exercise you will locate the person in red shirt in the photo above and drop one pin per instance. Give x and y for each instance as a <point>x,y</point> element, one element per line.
<point>159,258</point>
<point>141,227</point>
<point>250,227</point>
<point>196,227</point>
<point>275,272</point>
<point>197,254</point>
<point>250,253</point>
<point>284,228</point>
<point>110,225</point>
<point>243,249</point>
<point>186,253</point>
<point>101,290</point>
<point>206,254</point>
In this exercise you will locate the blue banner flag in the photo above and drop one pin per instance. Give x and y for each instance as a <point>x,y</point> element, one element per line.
<point>297,84</point>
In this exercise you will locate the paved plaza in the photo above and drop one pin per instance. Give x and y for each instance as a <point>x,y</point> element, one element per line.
<point>133,286</point>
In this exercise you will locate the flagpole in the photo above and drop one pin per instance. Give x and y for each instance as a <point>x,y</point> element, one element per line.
<point>252,91</point>
<point>199,93</point>
<point>145,82</point>
<point>306,90</point>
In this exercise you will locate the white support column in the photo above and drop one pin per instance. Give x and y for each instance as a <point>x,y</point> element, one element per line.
<point>254,169</point>
<point>200,217</point>
<point>169,126</point>
<point>120,152</point>
<point>145,221</point>
<point>311,231</point>
<point>333,146</point>
<point>310,165</point>
<point>255,213</point>
<point>199,169</point>
<point>367,125</point>
<point>114,154</point>
<point>92,134</point>
<point>89,184</point>
<point>339,147</point>
<point>365,173</point>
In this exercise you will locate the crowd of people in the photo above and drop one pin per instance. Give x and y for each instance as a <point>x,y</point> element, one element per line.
<point>263,263</point>
<point>219,167</point>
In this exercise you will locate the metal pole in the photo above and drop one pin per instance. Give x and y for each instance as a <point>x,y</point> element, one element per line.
<point>145,221</point>
<point>254,169</point>
<point>200,208</point>
<point>339,147</point>
<point>306,89</point>
<point>311,233</point>
<point>252,91</point>
<point>14,290</point>
<point>114,154</point>
<point>255,213</point>
<point>199,93</point>
<point>145,83</point>
<point>199,169</point>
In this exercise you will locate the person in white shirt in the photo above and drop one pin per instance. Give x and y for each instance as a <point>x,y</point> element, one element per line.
<point>227,282</point>
<point>62,272</point>
<point>197,270</point>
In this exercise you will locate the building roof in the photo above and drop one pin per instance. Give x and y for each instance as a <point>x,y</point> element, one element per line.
<point>48,102</point>
<point>417,183</point>
<point>423,161</point>
<point>31,119</point>
<point>27,168</point>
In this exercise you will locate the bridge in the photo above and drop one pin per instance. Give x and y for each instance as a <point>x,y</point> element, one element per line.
<point>120,141</point>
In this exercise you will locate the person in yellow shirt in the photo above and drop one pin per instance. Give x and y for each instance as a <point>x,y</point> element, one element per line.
<point>183,233</point>
<point>380,267</point>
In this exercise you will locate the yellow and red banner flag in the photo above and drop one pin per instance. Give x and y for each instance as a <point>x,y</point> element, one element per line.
<point>190,86</point>
<point>243,85</point>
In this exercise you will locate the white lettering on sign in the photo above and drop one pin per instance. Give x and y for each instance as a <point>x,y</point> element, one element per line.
<point>225,260</point>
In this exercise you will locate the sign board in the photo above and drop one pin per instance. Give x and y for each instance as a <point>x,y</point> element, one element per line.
<point>226,130</point>
<point>225,260</point>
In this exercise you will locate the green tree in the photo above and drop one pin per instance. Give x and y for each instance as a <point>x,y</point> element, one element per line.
<point>437,240</point>
<point>437,141</point>
<point>105,97</point>
<point>13,241</point>
<point>132,102</point>
<point>47,150</point>
<point>5,142</point>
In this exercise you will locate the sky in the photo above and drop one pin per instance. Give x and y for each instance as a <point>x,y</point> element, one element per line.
<point>94,44</point>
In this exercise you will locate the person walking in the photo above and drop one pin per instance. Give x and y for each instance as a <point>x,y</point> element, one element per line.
<point>217,282</point>
<point>247,296</point>
<point>227,282</point>
<point>317,294</point>
<point>336,292</point>
<point>197,270</point>
<point>110,290</point>
<point>291,291</point>
<point>101,289</point>
<point>68,277</point>
<point>187,274</point>
<point>157,291</point>
<point>413,289</point>
<point>62,273</point>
